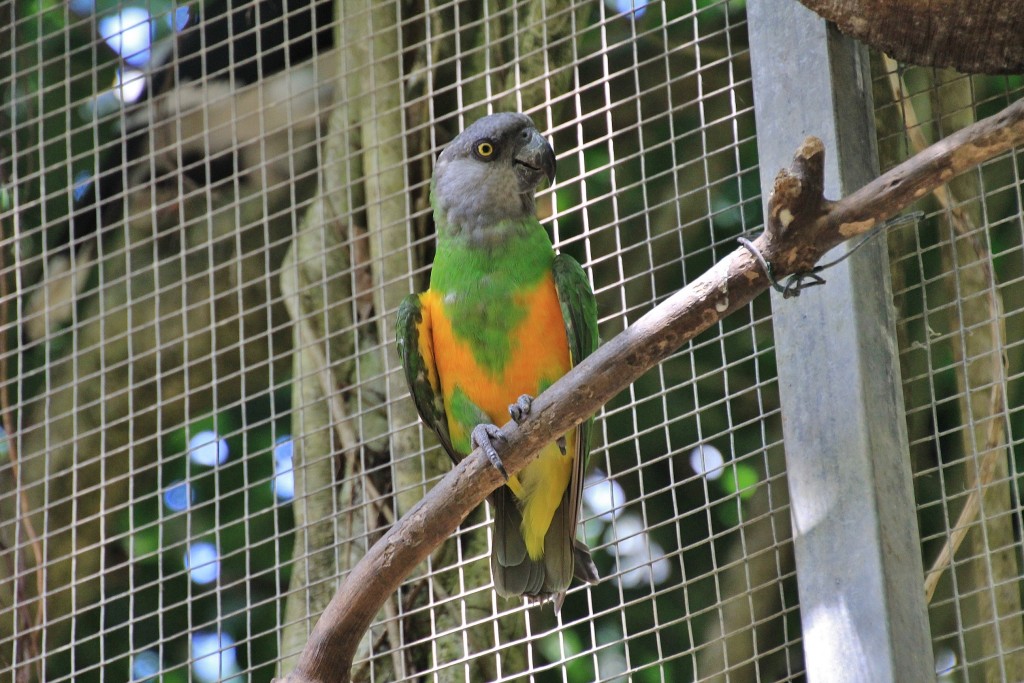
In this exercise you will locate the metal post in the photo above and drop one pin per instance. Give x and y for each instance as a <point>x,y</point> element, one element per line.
<point>858,552</point>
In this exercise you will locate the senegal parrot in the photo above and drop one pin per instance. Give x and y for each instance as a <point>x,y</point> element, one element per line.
<point>505,316</point>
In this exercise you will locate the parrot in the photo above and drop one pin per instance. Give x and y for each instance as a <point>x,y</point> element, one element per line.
<point>503,318</point>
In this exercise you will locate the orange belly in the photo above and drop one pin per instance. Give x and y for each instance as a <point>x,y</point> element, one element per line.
<point>538,355</point>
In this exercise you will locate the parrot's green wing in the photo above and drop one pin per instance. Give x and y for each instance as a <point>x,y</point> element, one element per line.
<point>579,311</point>
<point>416,349</point>
<point>579,308</point>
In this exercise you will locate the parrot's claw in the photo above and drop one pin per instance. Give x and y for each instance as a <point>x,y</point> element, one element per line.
<point>521,408</point>
<point>483,436</point>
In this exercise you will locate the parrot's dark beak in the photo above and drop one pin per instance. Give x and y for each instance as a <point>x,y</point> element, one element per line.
<point>536,157</point>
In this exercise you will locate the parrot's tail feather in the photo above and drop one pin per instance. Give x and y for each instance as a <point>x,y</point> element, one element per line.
<point>584,569</point>
<point>547,577</point>
<point>509,548</point>
<point>513,571</point>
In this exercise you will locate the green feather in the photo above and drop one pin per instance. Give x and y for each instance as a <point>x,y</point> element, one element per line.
<point>418,371</point>
<point>579,311</point>
<point>517,256</point>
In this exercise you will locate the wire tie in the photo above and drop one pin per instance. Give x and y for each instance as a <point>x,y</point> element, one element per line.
<point>798,282</point>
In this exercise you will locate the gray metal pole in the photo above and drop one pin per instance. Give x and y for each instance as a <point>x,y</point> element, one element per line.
<point>858,552</point>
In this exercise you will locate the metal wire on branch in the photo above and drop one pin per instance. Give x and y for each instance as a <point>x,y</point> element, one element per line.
<point>802,226</point>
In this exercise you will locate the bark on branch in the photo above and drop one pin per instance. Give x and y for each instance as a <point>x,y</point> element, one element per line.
<point>975,37</point>
<point>802,226</point>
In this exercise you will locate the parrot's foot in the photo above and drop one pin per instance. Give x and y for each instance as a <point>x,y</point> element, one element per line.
<point>521,408</point>
<point>483,436</point>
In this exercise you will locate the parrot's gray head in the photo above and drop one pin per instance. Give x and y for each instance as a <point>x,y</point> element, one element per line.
<point>489,173</point>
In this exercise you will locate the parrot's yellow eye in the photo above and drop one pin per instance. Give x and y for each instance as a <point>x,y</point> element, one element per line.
<point>484,149</point>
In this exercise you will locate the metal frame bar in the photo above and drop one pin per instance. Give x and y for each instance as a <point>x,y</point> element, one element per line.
<point>856,539</point>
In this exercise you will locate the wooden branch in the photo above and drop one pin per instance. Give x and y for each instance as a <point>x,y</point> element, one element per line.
<point>802,226</point>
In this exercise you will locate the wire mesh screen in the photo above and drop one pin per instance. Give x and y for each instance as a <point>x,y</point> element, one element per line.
<point>957,286</point>
<point>210,214</point>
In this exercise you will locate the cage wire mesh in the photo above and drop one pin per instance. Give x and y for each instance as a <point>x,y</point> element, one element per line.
<point>957,287</point>
<point>210,213</point>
